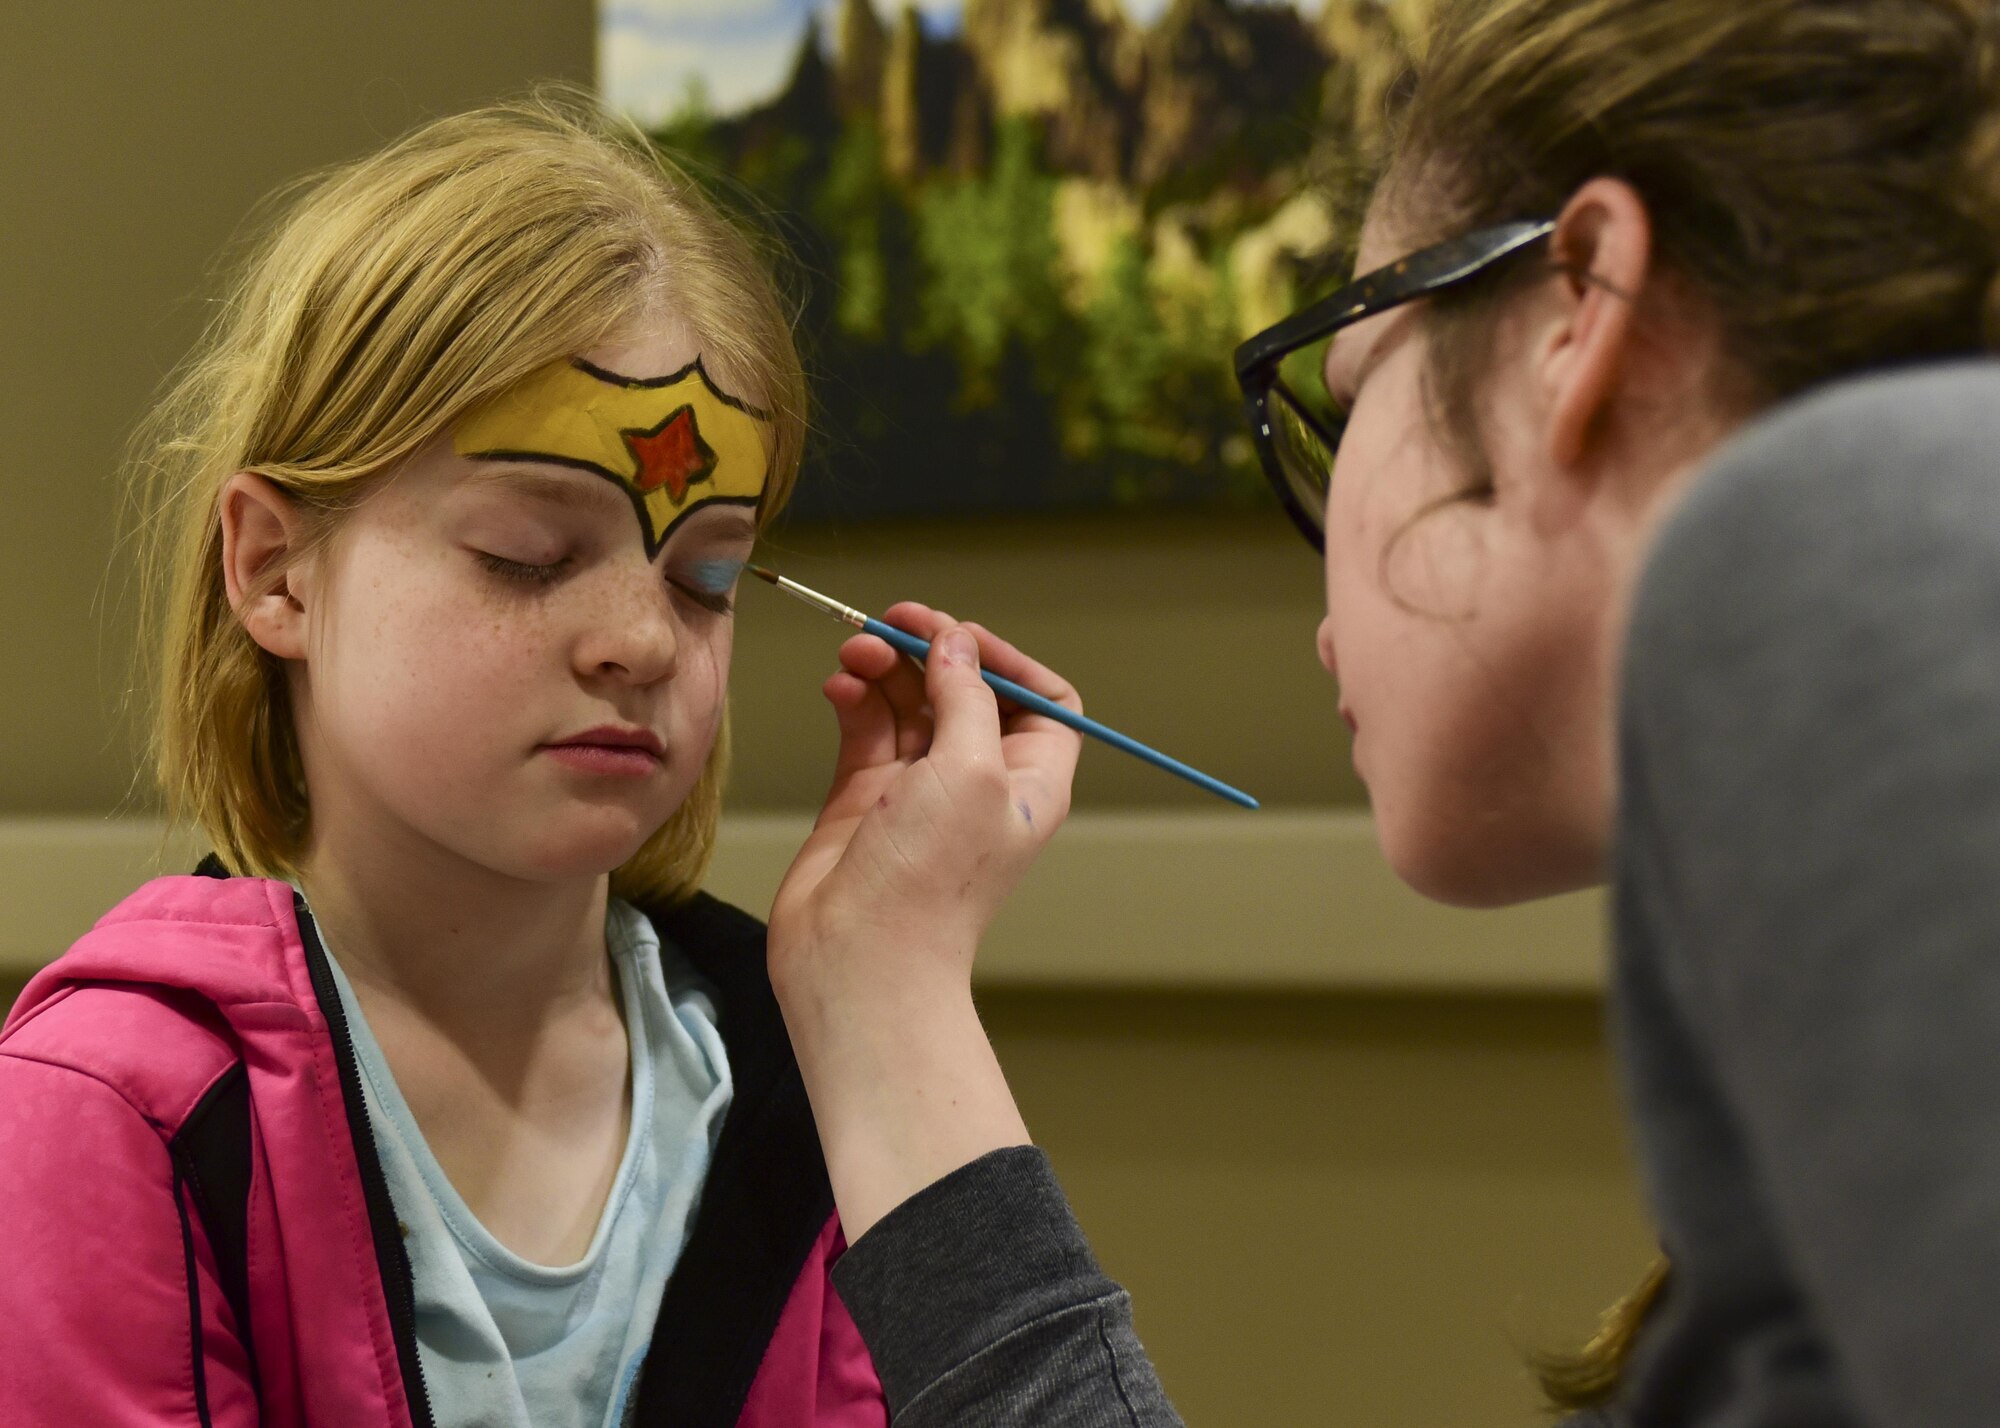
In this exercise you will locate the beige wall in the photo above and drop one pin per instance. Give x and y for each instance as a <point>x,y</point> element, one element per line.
<point>1352,1210</point>
<point>137,138</point>
<point>1353,1207</point>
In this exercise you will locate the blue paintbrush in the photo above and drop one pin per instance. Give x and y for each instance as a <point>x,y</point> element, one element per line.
<point>918,649</point>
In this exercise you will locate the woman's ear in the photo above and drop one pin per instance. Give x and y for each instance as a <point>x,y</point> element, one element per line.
<point>261,531</point>
<point>1603,244</point>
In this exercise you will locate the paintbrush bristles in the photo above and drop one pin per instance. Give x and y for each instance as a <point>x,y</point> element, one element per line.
<point>769,577</point>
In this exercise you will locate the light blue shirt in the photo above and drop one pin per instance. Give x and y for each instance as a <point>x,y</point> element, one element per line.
<point>506,1343</point>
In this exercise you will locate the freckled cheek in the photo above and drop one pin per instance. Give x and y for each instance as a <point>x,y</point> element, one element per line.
<point>702,680</point>
<point>432,668</point>
<point>478,644</point>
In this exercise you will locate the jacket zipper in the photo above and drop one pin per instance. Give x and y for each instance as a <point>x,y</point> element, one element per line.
<point>393,1258</point>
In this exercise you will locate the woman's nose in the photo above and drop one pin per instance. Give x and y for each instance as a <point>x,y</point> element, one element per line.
<point>1326,647</point>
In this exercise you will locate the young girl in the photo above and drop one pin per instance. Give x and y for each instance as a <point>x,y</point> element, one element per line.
<point>441,1095</point>
<point>1617,235</point>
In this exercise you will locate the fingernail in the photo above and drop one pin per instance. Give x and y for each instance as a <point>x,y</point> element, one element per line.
<point>959,647</point>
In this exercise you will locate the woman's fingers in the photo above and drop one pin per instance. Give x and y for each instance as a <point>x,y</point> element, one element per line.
<point>980,738</point>
<point>1008,662</point>
<point>899,684</point>
<point>919,619</point>
<point>867,724</point>
<point>967,742</point>
<point>900,678</point>
<point>867,753</point>
<point>1040,753</point>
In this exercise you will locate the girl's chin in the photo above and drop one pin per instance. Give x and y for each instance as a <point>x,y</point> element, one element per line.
<point>583,854</point>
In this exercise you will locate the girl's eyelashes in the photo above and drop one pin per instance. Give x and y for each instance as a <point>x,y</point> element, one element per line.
<point>523,572</point>
<point>710,584</point>
<point>708,600</point>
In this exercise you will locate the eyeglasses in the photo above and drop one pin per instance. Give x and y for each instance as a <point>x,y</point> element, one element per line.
<point>1297,443</point>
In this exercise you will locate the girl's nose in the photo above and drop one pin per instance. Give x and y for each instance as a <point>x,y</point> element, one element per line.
<point>633,636</point>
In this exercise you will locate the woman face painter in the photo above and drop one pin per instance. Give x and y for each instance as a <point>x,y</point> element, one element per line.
<point>1624,582</point>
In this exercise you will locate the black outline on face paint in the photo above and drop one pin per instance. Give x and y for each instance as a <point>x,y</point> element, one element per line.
<point>632,493</point>
<point>619,379</point>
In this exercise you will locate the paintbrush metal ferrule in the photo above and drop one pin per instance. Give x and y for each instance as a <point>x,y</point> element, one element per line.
<point>825,604</point>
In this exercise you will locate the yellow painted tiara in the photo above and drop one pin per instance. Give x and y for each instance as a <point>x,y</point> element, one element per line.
<point>671,443</point>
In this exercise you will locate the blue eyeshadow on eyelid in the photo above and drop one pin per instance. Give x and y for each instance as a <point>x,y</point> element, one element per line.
<point>715,576</point>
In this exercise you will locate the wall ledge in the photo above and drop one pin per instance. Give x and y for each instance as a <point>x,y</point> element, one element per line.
<point>1120,900</point>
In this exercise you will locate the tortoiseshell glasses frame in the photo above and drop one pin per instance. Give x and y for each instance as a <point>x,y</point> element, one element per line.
<point>1297,443</point>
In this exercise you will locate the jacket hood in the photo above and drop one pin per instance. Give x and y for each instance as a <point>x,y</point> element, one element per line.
<point>174,986</point>
<point>232,941</point>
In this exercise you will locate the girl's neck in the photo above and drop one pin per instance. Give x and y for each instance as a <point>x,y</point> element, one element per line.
<point>455,941</point>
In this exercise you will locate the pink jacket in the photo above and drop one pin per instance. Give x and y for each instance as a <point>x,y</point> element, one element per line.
<point>188,1038</point>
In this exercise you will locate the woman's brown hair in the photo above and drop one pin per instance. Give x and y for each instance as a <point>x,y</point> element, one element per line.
<point>1822,175</point>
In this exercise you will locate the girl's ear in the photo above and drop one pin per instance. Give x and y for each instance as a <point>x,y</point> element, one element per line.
<point>1603,244</point>
<point>261,531</point>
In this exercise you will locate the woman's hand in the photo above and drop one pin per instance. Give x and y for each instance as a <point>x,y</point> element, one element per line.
<point>940,801</point>
<point>938,806</point>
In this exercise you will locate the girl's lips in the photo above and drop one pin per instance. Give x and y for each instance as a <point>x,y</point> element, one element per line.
<point>613,759</point>
<point>1347,718</point>
<point>609,749</point>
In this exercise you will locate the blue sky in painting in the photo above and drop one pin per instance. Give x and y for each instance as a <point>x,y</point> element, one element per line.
<point>650,51</point>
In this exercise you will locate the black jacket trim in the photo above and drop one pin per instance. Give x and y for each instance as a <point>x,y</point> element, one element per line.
<point>765,1201</point>
<point>197,1351</point>
<point>211,1155</point>
<point>392,1257</point>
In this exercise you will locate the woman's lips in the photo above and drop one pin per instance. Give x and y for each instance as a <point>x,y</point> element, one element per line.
<point>609,750</point>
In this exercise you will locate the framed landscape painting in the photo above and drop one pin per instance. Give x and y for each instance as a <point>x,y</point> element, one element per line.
<point>1026,234</point>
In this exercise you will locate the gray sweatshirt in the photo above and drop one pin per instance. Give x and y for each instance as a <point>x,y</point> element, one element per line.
<point>1806,985</point>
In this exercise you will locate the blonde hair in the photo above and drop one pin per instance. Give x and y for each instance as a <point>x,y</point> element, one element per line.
<point>390,295</point>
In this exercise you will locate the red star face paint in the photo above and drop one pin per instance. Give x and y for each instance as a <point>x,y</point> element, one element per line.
<point>672,444</point>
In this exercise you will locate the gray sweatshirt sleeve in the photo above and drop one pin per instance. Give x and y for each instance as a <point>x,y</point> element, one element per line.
<point>1812,763</point>
<point>982,1303</point>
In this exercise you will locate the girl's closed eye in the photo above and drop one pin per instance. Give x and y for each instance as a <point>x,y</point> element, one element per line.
<point>710,583</point>
<point>519,548</point>
<point>523,572</point>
